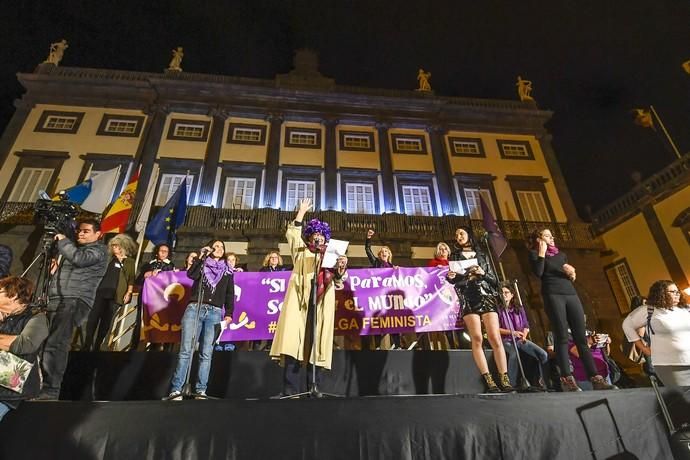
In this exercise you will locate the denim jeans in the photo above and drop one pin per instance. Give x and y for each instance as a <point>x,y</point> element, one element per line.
<point>526,348</point>
<point>209,318</point>
<point>4,409</point>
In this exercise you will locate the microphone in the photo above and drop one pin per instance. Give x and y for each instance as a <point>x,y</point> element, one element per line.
<point>204,253</point>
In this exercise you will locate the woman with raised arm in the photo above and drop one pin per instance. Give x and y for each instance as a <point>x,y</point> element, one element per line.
<point>563,307</point>
<point>477,288</point>
<point>291,342</point>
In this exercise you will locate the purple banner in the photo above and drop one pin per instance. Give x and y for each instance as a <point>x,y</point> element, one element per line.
<point>371,302</point>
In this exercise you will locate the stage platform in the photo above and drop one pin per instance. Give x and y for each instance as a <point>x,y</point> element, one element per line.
<point>127,376</point>
<point>438,427</point>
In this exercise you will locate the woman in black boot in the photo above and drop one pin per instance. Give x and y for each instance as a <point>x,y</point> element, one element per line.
<point>478,289</point>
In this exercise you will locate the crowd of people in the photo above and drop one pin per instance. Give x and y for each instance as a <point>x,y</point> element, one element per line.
<point>91,280</point>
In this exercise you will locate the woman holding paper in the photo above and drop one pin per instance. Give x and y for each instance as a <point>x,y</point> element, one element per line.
<point>291,342</point>
<point>217,290</point>
<point>477,286</point>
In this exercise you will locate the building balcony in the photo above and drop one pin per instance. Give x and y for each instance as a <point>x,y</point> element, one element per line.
<point>656,187</point>
<point>419,230</point>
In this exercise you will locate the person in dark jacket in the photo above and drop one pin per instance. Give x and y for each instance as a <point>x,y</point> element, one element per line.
<point>5,260</point>
<point>115,290</point>
<point>216,291</point>
<point>478,289</point>
<point>563,307</point>
<point>160,263</point>
<point>22,333</point>
<point>71,293</point>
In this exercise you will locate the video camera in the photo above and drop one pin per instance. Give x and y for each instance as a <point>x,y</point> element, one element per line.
<point>56,216</point>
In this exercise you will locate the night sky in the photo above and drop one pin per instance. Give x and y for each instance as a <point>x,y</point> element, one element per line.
<point>591,62</point>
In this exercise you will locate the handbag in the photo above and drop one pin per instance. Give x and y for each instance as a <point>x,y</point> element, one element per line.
<point>13,371</point>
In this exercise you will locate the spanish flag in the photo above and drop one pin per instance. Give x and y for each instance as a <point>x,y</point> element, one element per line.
<point>115,220</point>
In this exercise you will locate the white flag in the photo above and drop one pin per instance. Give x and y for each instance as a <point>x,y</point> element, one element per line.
<point>102,188</point>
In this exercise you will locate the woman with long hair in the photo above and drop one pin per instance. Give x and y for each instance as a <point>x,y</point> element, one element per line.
<point>189,260</point>
<point>667,318</point>
<point>563,307</point>
<point>477,287</point>
<point>216,291</point>
<point>273,262</point>
<point>382,259</point>
<point>511,313</point>
<point>114,290</point>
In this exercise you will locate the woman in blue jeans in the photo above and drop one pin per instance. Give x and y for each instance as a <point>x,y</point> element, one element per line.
<point>515,314</point>
<point>217,291</point>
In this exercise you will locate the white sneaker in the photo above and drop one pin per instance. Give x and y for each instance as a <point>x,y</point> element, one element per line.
<point>174,396</point>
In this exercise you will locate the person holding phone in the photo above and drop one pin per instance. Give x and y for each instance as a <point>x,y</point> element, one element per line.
<point>563,307</point>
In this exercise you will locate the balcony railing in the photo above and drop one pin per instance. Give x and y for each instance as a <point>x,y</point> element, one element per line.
<point>422,229</point>
<point>674,175</point>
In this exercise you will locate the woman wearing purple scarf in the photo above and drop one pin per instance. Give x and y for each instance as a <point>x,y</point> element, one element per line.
<point>217,291</point>
<point>563,307</point>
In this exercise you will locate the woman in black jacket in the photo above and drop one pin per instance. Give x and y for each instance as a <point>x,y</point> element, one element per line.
<point>477,288</point>
<point>216,291</point>
<point>563,307</point>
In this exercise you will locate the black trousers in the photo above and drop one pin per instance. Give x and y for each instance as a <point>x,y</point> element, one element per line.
<point>64,315</point>
<point>99,322</point>
<point>565,311</point>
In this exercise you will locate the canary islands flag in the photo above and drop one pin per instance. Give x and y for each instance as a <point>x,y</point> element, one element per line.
<point>165,223</point>
<point>94,194</point>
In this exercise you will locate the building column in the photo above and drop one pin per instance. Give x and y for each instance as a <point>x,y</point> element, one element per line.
<point>671,261</point>
<point>272,160</point>
<point>331,164</point>
<point>212,158</point>
<point>147,153</point>
<point>9,137</point>
<point>557,177</point>
<point>387,179</point>
<point>444,175</point>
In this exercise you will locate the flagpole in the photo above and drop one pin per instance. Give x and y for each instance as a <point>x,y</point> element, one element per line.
<point>668,136</point>
<point>117,174</point>
<point>148,202</point>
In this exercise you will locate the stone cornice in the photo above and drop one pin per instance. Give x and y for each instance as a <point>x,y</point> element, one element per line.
<point>79,85</point>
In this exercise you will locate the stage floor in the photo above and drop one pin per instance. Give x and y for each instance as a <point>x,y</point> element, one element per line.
<point>127,376</point>
<point>515,426</point>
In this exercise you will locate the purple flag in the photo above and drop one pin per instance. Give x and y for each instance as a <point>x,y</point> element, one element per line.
<point>497,241</point>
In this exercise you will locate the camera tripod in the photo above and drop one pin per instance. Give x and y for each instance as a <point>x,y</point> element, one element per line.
<point>40,295</point>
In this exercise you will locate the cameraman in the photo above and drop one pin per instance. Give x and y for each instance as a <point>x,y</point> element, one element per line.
<point>80,268</point>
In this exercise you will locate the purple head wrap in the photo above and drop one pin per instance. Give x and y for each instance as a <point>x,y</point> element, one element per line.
<point>316,226</point>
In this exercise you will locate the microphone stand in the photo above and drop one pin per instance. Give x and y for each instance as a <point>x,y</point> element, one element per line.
<point>313,387</point>
<point>187,387</point>
<point>525,386</point>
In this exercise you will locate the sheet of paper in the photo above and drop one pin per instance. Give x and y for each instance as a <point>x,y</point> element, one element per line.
<point>461,266</point>
<point>335,249</point>
<point>223,326</point>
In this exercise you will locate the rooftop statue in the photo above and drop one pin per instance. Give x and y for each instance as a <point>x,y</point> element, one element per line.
<point>57,51</point>
<point>423,79</point>
<point>524,88</point>
<point>176,60</point>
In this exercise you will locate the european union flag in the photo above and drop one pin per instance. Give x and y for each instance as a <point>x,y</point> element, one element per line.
<point>161,229</point>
